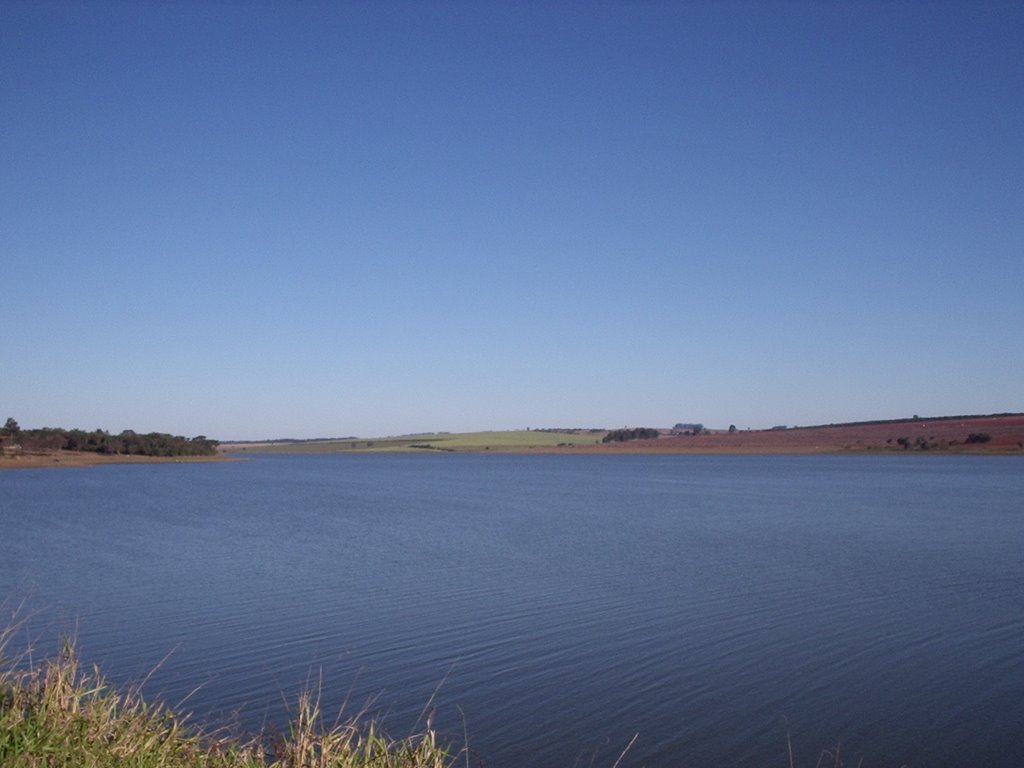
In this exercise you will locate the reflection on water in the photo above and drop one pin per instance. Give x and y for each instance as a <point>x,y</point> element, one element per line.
<point>710,604</point>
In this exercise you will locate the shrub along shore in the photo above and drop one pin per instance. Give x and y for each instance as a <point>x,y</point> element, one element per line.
<point>127,443</point>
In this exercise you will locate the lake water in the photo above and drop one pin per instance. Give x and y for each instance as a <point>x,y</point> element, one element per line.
<point>561,604</point>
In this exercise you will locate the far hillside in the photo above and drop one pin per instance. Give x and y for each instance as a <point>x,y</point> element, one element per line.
<point>994,434</point>
<point>471,442</point>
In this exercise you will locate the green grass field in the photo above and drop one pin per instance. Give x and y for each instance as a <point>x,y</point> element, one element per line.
<point>510,440</point>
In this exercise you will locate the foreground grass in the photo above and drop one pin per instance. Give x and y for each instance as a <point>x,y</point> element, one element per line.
<point>59,714</point>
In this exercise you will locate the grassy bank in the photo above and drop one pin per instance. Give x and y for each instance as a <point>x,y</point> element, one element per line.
<point>457,442</point>
<point>56,713</point>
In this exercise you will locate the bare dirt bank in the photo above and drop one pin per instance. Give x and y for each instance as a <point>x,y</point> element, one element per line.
<point>19,460</point>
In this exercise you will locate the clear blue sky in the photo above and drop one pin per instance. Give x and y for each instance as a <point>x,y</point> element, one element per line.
<point>292,219</point>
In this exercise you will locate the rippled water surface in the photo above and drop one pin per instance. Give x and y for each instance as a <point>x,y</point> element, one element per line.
<point>560,604</point>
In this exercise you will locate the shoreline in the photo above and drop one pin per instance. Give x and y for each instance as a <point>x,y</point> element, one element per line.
<point>649,450</point>
<point>751,451</point>
<point>55,459</point>
<point>998,435</point>
<point>995,435</point>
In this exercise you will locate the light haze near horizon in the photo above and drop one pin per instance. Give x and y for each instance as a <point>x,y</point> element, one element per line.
<point>299,220</point>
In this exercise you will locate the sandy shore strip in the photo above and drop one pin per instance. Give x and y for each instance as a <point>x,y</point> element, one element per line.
<point>11,460</point>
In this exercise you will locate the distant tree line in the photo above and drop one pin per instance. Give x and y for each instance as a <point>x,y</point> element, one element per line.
<point>101,441</point>
<point>688,428</point>
<point>922,444</point>
<point>622,435</point>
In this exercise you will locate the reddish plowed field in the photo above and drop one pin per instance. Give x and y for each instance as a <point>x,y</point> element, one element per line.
<point>946,435</point>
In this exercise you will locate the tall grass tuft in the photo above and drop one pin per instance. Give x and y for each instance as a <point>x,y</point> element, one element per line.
<point>57,713</point>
